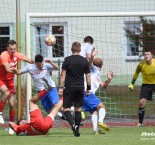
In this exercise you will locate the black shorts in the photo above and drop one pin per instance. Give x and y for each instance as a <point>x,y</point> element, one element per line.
<point>73,96</point>
<point>146,91</point>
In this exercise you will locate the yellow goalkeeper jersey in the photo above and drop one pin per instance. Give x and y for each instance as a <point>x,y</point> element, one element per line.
<point>147,70</point>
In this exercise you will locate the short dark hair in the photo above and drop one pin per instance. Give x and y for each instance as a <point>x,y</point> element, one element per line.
<point>10,42</point>
<point>148,50</point>
<point>89,39</point>
<point>39,58</point>
<point>76,47</point>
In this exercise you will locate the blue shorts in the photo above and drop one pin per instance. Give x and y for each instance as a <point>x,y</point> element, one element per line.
<point>50,99</point>
<point>91,102</point>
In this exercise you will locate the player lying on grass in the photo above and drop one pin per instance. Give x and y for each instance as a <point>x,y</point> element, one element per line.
<point>45,86</point>
<point>92,103</point>
<point>38,125</point>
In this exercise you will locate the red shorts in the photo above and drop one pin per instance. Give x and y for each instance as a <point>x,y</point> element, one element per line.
<point>39,123</point>
<point>9,84</point>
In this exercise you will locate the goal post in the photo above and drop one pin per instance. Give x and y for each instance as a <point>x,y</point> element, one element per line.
<point>108,45</point>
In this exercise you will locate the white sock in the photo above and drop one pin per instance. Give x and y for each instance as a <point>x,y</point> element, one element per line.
<point>94,122</point>
<point>59,114</point>
<point>50,115</point>
<point>101,113</point>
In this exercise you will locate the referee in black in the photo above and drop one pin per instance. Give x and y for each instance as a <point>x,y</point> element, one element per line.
<point>74,68</point>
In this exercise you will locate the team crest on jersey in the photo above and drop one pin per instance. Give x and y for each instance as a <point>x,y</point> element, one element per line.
<point>13,62</point>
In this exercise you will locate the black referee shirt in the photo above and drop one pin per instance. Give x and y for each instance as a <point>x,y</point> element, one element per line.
<point>76,66</point>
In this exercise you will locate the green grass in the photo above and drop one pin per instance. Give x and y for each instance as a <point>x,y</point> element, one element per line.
<point>64,136</point>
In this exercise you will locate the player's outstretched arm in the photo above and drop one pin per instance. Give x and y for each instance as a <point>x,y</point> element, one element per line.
<point>110,76</point>
<point>15,71</point>
<point>55,66</point>
<point>7,68</point>
<point>91,59</point>
<point>28,60</point>
<point>135,76</point>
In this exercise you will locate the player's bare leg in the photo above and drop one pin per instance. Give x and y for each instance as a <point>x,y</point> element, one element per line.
<point>12,111</point>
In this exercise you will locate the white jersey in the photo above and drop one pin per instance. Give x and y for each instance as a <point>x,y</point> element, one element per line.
<point>38,74</point>
<point>86,48</point>
<point>95,79</point>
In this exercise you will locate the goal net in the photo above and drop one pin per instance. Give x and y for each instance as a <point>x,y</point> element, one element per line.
<point>115,26</point>
<point>115,38</point>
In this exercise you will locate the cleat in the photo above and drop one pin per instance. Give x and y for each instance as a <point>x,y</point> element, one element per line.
<point>95,133</point>
<point>100,132</point>
<point>76,131</point>
<point>73,129</point>
<point>13,126</point>
<point>47,86</point>
<point>63,117</point>
<point>1,119</point>
<point>104,126</point>
<point>77,134</point>
<point>11,131</point>
<point>140,125</point>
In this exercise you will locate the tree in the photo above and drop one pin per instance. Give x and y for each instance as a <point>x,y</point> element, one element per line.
<point>145,38</point>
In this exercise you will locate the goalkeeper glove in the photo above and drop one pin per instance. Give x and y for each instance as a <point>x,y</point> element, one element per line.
<point>131,87</point>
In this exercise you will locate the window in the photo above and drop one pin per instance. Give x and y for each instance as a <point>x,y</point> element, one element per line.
<point>59,31</point>
<point>133,50</point>
<point>5,36</point>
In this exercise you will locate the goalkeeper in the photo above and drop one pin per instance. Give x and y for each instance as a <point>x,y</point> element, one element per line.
<point>147,68</point>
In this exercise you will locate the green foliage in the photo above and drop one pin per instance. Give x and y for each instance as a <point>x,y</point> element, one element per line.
<point>144,36</point>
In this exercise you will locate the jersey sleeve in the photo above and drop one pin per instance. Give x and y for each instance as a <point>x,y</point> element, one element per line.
<point>21,56</point>
<point>138,70</point>
<point>48,66</point>
<point>25,69</point>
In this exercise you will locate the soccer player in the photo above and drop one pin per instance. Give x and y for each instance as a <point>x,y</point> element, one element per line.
<point>92,103</point>
<point>38,125</point>
<point>45,86</point>
<point>72,77</point>
<point>147,68</point>
<point>8,60</point>
<point>87,47</point>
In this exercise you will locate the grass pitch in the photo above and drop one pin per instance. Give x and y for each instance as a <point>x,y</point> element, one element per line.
<point>64,136</point>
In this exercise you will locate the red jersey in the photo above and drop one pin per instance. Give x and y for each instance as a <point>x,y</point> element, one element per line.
<point>37,122</point>
<point>12,60</point>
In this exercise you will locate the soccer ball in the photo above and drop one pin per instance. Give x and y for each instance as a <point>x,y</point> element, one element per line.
<point>50,40</point>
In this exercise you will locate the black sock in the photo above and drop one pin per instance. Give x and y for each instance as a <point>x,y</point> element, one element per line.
<point>141,114</point>
<point>78,118</point>
<point>69,117</point>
